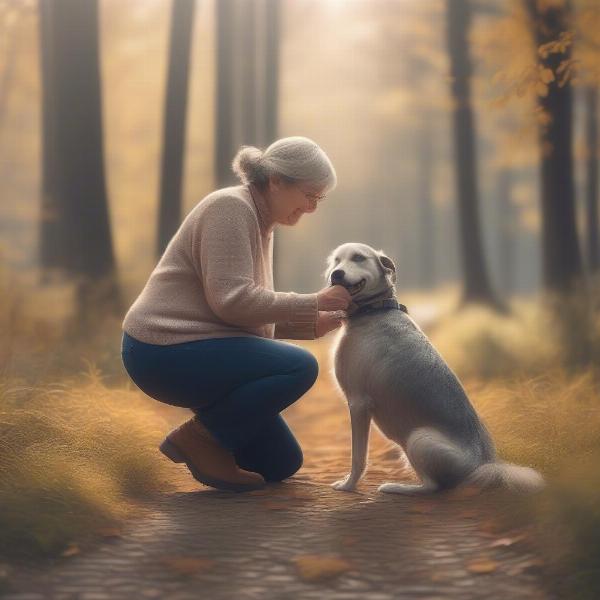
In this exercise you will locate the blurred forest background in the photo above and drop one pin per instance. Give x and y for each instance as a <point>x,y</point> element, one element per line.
<point>446,127</point>
<point>465,138</point>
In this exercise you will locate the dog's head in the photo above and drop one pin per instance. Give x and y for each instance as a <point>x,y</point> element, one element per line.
<point>362,270</point>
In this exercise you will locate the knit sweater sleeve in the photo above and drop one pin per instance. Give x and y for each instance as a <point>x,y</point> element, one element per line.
<point>225,246</point>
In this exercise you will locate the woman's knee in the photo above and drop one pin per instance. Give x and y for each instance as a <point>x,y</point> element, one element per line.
<point>287,467</point>
<point>308,366</point>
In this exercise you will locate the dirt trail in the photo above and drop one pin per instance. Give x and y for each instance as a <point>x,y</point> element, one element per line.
<point>301,539</point>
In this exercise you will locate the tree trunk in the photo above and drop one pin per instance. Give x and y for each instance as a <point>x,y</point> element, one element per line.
<point>272,34</point>
<point>560,249</point>
<point>477,287</point>
<point>248,34</point>
<point>173,152</point>
<point>426,273</point>
<point>224,101</point>
<point>591,101</point>
<point>505,226</point>
<point>248,60</point>
<point>52,247</point>
<point>7,72</point>
<point>272,29</point>
<point>76,144</point>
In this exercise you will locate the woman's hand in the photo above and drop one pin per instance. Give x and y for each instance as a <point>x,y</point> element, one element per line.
<point>328,321</point>
<point>335,297</point>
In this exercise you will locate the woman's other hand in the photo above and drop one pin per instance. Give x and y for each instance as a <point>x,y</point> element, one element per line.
<point>335,297</point>
<point>328,321</point>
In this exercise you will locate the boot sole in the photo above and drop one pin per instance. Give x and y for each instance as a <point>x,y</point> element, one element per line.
<point>173,453</point>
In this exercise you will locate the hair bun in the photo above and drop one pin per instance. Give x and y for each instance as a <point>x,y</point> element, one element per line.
<point>246,164</point>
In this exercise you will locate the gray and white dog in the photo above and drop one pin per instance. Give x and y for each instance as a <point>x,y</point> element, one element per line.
<point>390,373</point>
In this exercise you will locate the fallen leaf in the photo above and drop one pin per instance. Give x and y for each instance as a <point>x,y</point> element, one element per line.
<point>507,541</point>
<point>464,492</point>
<point>187,565</point>
<point>302,495</point>
<point>306,480</point>
<point>442,575</point>
<point>421,507</point>
<point>109,532</point>
<point>70,550</point>
<point>292,495</point>
<point>491,528</point>
<point>531,565</point>
<point>4,571</point>
<point>482,565</point>
<point>349,540</point>
<point>265,492</point>
<point>315,567</point>
<point>418,520</point>
<point>271,505</point>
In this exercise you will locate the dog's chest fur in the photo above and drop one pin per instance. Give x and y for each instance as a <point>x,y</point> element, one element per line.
<point>370,347</point>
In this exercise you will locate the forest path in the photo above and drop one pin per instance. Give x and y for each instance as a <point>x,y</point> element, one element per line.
<point>300,538</point>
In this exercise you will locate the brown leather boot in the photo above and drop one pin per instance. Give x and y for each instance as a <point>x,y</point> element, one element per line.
<point>206,459</point>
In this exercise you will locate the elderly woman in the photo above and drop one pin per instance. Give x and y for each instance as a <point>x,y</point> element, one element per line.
<point>200,334</point>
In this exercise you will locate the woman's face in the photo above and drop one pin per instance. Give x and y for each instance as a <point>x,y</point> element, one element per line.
<point>289,201</point>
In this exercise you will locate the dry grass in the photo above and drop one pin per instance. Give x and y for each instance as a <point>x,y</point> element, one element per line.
<point>72,458</point>
<point>543,421</point>
<point>75,454</point>
<point>552,423</point>
<point>535,340</point>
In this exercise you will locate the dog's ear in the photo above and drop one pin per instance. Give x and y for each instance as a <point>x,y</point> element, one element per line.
<point>387,264</point>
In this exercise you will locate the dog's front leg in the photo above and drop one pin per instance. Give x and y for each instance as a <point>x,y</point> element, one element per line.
<point>360,418</point>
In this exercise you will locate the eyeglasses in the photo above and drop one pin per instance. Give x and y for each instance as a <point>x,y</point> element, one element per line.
<point>314,197</point>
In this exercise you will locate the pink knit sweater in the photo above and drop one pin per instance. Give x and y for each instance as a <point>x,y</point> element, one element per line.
<point>215,278</point>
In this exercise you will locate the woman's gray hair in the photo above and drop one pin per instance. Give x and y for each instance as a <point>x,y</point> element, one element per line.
<point>293,159</point>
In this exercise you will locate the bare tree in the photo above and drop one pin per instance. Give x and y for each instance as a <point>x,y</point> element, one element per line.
<point>224,101</point>
<point>476,282</point>
<point>247,90</point>
<point>74,171</point>
<point>9,22</point>
<point>426,213</point>
<point>591,109</point>
<point>52,247</point>
<point>272,33</point>
<point>247,65</point>
<point>505,229</point>
<point>174,122</point>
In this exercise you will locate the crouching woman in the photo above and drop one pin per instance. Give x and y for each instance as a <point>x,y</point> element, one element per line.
<point>205,332</point>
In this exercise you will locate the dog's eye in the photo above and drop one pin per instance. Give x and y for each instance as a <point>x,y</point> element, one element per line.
<point>358,258</point>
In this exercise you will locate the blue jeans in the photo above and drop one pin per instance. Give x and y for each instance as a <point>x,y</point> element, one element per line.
<point>237,387</point>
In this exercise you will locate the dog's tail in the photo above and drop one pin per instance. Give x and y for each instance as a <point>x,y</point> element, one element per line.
<point>500,474</point>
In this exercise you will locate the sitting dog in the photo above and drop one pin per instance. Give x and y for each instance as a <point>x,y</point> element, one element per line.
<point>390,372</point>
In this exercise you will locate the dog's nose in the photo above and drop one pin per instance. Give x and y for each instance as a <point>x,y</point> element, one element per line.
<point>337,275</point>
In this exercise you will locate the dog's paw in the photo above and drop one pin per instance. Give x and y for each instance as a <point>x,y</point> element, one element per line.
<point>344,485</point>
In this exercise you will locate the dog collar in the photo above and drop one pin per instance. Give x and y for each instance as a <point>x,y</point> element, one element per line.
<point>386,303</point>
